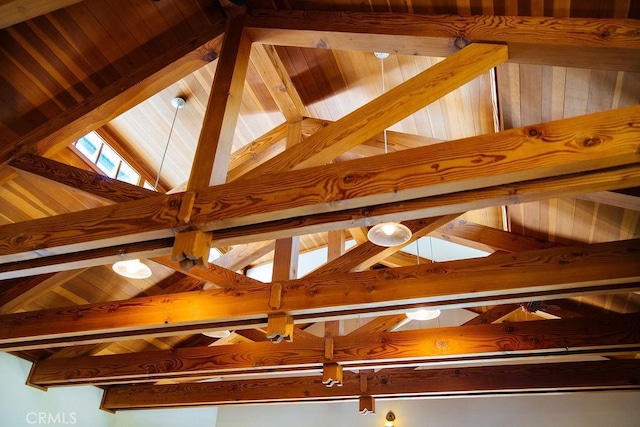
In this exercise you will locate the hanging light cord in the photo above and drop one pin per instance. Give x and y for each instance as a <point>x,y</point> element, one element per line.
<point>178,105</point>
<point>386,149</point>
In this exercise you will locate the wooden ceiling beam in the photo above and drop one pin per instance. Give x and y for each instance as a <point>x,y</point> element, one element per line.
<point>219,276</point>
<point>487,238</point>
<point>354,351</point>
<point>389,383</point>
<point>211,159</point>
<point>120,96</point>
<point>386,110</point>
<point>534,190</point>
<point>493,314</point>
<point>426,207</point>
<point>555,272</point>
<point>15,11</point>
<point>80,179</point>
<point>443,173</point>
<point>274,75</point>
<point>574,42</point>
<point>33,293</point>
<point>612,198</point>
<point>241,256</point>
<point>368,253</point>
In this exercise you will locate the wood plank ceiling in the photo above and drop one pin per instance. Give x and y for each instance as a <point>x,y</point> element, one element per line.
<point>505,126</point>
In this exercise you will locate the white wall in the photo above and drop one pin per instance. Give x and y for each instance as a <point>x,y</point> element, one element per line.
<point>21,405</point>
<point>619,409</point>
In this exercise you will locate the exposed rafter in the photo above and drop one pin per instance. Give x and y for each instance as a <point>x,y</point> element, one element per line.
<point>555,272</point>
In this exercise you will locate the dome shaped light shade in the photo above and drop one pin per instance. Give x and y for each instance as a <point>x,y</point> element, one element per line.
<point>132,268</point>
<point>423,314</point>
<point>217,334</point>
<point>389,234</point>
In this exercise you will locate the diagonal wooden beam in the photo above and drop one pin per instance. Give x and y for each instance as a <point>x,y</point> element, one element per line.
<point>574,42</point>
<point>241,256</point>
<point>13,288</point>
<point>214,274</point>
<point>526,276</point>
<point>612,198</point>
<point>389,383</point>
<point>493,314</point>
<point>35,292</point>
<point>381,324</point>
<point>211,160</point>
<point>606,334</point>
<point>120,96</point>
<point>437,177</point>
<point>266,60</point>
<point>384,111</point>
<point>368,254</point>
<point>88,181</point>
<point>487,238</point>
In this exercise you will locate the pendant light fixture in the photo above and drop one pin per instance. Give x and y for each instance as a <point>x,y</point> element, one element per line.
<point>178,103</point>
<point>387,234</point>
<point>132,268</point>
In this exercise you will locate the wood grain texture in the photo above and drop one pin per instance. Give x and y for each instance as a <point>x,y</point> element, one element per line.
<point>211,161</point>
<point>392,106</point>
<point>398,382</point>
<point>91,182</point>
<point>557,272</point>
<point>619,33</point>
<point>119,96</point>
<point>357,351</point>
<point>15,11</point>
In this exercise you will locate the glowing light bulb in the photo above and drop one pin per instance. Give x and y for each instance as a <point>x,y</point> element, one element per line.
<point>423,314</point>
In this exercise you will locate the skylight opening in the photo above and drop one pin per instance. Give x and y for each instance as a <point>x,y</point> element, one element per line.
<point>106,159</point>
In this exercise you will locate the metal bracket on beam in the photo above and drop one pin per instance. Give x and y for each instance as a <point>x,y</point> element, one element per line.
<point>191,248</point>
<point>367,405</point>
<point>280,327</point>
<point>332,374</point>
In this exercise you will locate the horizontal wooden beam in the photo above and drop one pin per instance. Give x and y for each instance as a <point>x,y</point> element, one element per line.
<point>475,199</point>
<point>85,259</point>
<point>557,272</point>
<point>427,207</point>
<point>442,174</point>
<point>483,341</point>
<point>388,383</point>
<point>121,95</point>
<point>577,42</point>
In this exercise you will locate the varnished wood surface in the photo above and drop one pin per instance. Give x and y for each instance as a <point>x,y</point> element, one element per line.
<point>619,374</point>
<point>60,63</point>
<point>524,276</point>
<point>482,341</point>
